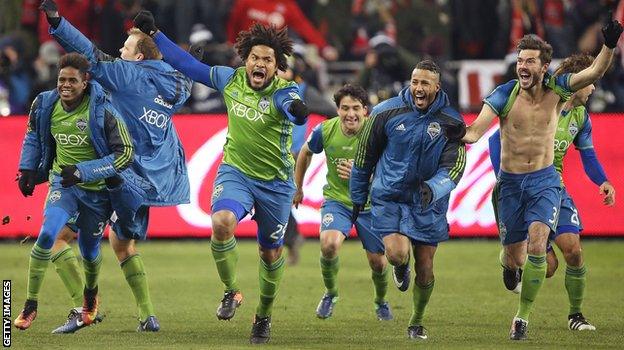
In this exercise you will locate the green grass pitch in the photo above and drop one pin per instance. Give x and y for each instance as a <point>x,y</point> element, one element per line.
<point>469,308</point>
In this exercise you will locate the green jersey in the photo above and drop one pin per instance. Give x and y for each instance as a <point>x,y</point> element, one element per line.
<point>329,137</point>
<point>259,133</point>
<point>573,128</point>
<point>73,139</point>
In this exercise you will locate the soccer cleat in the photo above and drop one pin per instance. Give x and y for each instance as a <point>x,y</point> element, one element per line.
<point>325,307</point>
<point>511,279</point>
<point>27,316</point>
<point>90,305</point>
<point>577,322</point>
<point>417,332</point>
<point>518,329</point>
<point>74,322</point>
<point>383,311</point>
<point>231,300</point>
<point>260,330</point>
<point>149,325</point>
<point>401,276</point>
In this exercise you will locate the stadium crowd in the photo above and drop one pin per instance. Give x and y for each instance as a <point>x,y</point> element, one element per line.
<point>383,39</point>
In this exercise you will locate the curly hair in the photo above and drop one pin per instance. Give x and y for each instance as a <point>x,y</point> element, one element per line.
<point>574,63</point>
<point>355,91</point>
<point>277,39</point>
<point>74,60</point>
<point>534,42</point>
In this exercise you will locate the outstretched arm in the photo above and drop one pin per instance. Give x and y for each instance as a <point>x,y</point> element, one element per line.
<point>480,125</point>
<point>611,33</point>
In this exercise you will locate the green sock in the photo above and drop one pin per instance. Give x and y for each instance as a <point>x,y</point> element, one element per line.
<point>92,271</point>
<point>226,257</point>
<point>575,285</point>
<point>68,270</point>
<point>270,278</point>
<point>421,299</point>
<point>38,263</point>
<point>329,270</point>
<point>134,271</point>
<point>380,281</point>
<point>532,279</point>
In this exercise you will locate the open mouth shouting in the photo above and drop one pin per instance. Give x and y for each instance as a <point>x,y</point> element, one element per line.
<point>258,77</point>
<point>420,98</point>
<point>525,77</point>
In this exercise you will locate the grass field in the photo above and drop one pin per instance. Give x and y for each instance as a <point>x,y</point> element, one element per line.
<point>469,307</point>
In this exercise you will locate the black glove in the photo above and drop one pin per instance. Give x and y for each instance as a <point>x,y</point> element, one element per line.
<point>426,196</point>
<point>197,51</point>
<point>144,20</point>
<point>70,175</point>
<point>51,11</point>
<point>611,32</point>
<point>113,181</point>
<point>26,182</point>
<point>298,109</point>
<point>454,132</point>
<point>357,208</point>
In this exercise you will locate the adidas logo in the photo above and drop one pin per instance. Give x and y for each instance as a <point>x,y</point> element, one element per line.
<point>401,127</point>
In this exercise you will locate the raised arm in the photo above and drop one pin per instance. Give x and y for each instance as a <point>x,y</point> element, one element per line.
<point>611,33</point>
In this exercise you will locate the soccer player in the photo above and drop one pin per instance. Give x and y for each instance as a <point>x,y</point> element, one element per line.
<point>412,145</point>
<point>76,136</point>
<point>574,128</point>
<point>338,138</point>
<point>146,91</point>
<point>529,109</point>
<point>257,166</point>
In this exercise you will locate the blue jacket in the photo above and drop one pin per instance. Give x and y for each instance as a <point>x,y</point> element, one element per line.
<point>406,147</point>
<point>107,132</point>
<point>146,94</point>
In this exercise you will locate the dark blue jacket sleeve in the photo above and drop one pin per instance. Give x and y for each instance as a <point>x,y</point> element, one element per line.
<point>450,170</point>
<point>187,64</point>
<point>373,141</point>
<point>584,143</point>
<point>31,147</point>
<point>284,97</point>
<point>495,151</point>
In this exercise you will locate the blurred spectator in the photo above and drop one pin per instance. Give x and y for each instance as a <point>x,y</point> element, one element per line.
<point>46,68</point>
<point>279,13</point>
<point>79,12</point>
<point>176,18</point>
<point>385,68</point>
<point>15,73</point>
<point>477,29</point>
<point>558,29</point>
<point>10,14</point>
<point>526,18</point>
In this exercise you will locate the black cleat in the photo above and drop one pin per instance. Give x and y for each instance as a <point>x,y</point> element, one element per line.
<point>401,276</point>
<point>417,332</point>
<point>577,322</point>
<point>518,329</point>
<point>511,279</point>
<point>231,300</point>
<point>260,330</point>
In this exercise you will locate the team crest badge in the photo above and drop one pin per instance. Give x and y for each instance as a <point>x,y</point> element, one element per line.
<point>81,124</point>
<point>264,104</point>
<point>294,95</point>
<point>502,231</point>
<point>573,129</point>
<point>54,196</point>
<point>434,130</point>
<point>328,219</point>
<point>216,192</point>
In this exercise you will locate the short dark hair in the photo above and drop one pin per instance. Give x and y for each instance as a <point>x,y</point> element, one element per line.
<point>146,45</point>
<point>277,39</point>
<point>574,63</point>
<point>355,91</point>
<point>428,65</point>
<point>534,42</point>
<point>75,60</point>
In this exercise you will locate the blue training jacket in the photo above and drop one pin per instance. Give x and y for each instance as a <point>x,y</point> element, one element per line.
<point>405,147</point>
<point>146,94</point>
<point>39,148</point>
